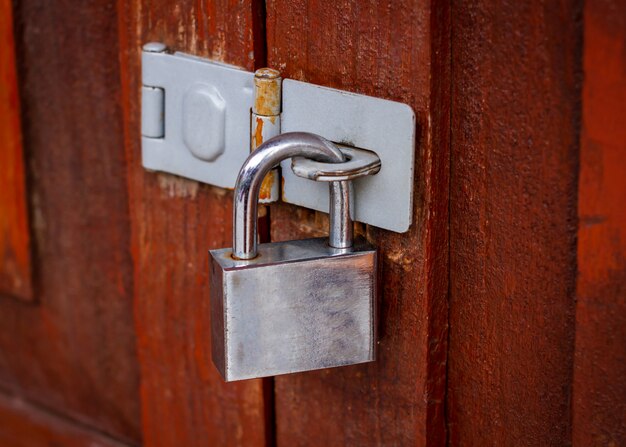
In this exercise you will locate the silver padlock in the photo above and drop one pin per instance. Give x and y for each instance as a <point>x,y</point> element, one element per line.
<point>298,305</point>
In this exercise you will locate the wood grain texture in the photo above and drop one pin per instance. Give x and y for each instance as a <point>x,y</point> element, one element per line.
<point>175,223</point>
<point>396,50</point>
<point>74,351</point>
<point>25,425</point>
<point>15,268</point>
<point>599,396</point>
<point>515,113</point>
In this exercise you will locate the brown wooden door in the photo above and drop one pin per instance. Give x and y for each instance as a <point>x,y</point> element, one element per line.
<point>503,317</point>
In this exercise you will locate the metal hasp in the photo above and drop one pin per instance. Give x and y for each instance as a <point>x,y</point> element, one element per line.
<point>204,115</point>
<point>386,128</point>
<point>292,306</point>
<point>200,119</point>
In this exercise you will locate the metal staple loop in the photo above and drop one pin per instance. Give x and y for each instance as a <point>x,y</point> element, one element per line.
<point>360,163</point>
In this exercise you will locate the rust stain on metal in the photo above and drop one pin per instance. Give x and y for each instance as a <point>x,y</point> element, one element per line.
<point>267,99</point>
<point>282,188</point>
<point>267,92</point>
<point>258,133</point>
<point>266,186</point>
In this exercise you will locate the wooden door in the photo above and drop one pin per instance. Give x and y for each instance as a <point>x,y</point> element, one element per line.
<point>502,309</point>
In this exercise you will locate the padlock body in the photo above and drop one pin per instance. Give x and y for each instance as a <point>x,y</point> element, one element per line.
<point>298,306</point>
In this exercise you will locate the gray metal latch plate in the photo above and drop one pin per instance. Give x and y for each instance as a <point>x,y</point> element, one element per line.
<point>207,118</point>
<point>385,127</point>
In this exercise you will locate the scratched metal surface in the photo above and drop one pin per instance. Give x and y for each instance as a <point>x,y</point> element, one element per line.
<point>300,305</point>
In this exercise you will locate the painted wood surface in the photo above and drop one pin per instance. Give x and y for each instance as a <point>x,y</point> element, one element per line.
<point>399,51</point>
<point>174,224</point>
<point>15,269</point>
<point>514,170</point>
<point>73,352</point>
<point>517,152</point>
<point>25,425</point>
<point>599,395</point>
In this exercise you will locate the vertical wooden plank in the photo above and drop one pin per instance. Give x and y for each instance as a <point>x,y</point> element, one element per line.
<point>599,403</point>
<point>515,113</point>
<point>174,224</point>
<point>396,50</point>
<point>74,352</point>
<point>15,270</point>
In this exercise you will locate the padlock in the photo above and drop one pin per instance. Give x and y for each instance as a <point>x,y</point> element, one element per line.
<point>291,306</point>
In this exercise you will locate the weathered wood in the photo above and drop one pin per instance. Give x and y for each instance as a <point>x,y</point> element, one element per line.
<point>15,269</point>
<point>599,396</point>
<point>515,111</point>
<point>395,50</point>
<point>175,222</point>
<point>25,425</point>
<point>74,351</point>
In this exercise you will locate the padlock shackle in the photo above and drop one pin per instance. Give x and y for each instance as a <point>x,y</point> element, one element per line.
<point>256,167</point>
